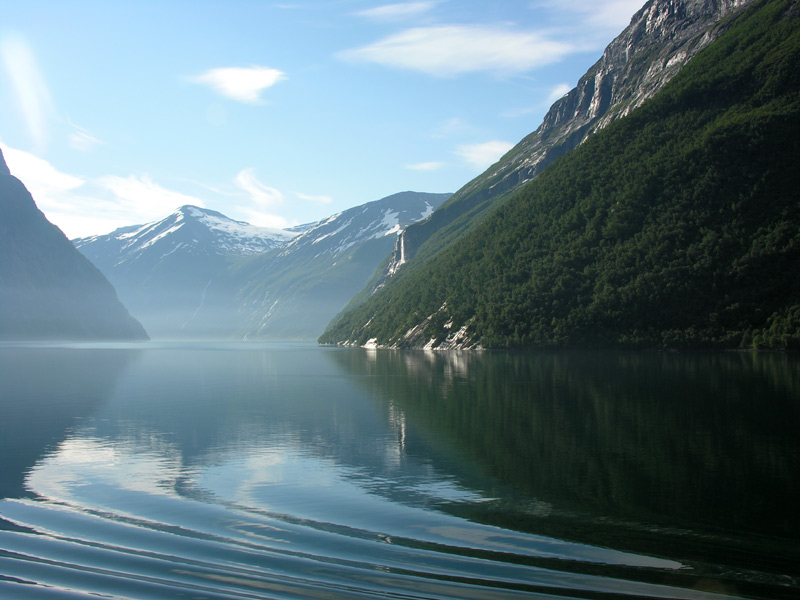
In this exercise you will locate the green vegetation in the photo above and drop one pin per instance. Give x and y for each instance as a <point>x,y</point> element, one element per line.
<point>677,226</point>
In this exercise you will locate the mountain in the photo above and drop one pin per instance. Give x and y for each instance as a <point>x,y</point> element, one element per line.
<point>173,273</point>
<point>675,226</point>
<point>197,274</point>
<point>661,38</point>
<point>48,290</point>
<point>293,292</point>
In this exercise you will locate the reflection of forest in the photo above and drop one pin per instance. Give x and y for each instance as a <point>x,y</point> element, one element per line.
<point>679,440</point>
<point>42,391</point>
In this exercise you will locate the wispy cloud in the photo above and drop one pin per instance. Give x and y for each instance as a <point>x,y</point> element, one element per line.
<point>262,195</point>
<point>243,84</point>
<point>29,87</point>
<point>559,92</point>
<point>426,166</point>
<point>316,199</point>
<point>452,127</point>
<point>611,15</point>
<point>262,199</point>
<point>483,155</point>
<point>450,50</point>
<point>400,10</point>
<point>81,139</point>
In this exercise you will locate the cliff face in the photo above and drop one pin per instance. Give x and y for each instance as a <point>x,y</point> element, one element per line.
<point>48,290</point>
<point>661,38</point>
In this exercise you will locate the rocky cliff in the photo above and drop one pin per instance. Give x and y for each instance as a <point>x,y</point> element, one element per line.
<point>661,38</point>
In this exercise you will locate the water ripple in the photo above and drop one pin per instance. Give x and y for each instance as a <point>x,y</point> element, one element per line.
<point>218,552</point>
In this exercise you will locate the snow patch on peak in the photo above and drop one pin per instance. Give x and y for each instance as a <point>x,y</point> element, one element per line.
<point>160,236</point>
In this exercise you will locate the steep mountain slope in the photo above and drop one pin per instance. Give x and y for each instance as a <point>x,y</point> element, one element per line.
<point>660,39</point>
<point>293,292</point>
<point>173,274</point>
<point>676,226</point>
<point>48,291</point>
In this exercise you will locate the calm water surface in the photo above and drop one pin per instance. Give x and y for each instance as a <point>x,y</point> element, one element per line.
<point>291,471</point>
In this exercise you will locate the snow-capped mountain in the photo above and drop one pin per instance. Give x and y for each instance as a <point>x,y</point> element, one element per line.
<point>188,230</point>
<point>294,291</point>
<point>198,274</point>
<point>173,274</point>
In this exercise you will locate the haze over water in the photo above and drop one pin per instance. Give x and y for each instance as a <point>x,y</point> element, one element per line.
<point>295,471</point>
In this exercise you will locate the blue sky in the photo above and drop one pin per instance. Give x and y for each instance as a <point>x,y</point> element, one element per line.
<point>276,112</point>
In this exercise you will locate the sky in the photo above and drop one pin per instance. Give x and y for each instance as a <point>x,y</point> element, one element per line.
<point>280,112</point>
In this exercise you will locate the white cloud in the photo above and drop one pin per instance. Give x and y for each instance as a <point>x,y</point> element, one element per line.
<point>426,166</point>
<point>263,199</point>
<point>140,194</point>
<point>321,200</point>
<point>483,155</point>
<point>29,87</point>
<point>83,206</point>
<point>261,195</point>
<point>558,92</point>
<point>450,50</point>
<point>400,10</point>
<point>609,15</point>
<point>258,217</point>
<point>243,84</point>
<point>39,176</point>
<point>81,139</point>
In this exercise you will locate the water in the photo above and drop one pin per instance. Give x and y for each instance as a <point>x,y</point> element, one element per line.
<point>290,471</point>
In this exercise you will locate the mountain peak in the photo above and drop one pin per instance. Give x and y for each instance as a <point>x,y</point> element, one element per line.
<point>197,212</point>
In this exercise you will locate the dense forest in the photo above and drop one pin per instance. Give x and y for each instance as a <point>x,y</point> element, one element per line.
<point>677,226</point>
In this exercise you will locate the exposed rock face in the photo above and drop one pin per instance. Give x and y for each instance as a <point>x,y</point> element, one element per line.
<point>660,39</point>
<point>48,290</point>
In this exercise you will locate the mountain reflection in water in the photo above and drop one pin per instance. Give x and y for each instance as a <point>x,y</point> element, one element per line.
<point>292,471</point>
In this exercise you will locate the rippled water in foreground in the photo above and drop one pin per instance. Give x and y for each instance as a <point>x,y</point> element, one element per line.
<point>292,471</point>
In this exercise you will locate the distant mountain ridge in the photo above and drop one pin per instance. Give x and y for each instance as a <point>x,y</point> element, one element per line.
<point>676,226</point>
<point>173,273</point>
<point>188,229</point>
<point>662,36</point>
<point>48,290</point>
<point>196,274</point>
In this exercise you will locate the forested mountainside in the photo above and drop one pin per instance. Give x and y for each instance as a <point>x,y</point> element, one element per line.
<point>294,291</point>
<point>676,226</point>
<point>661,38</point>
<point>48,290</point>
